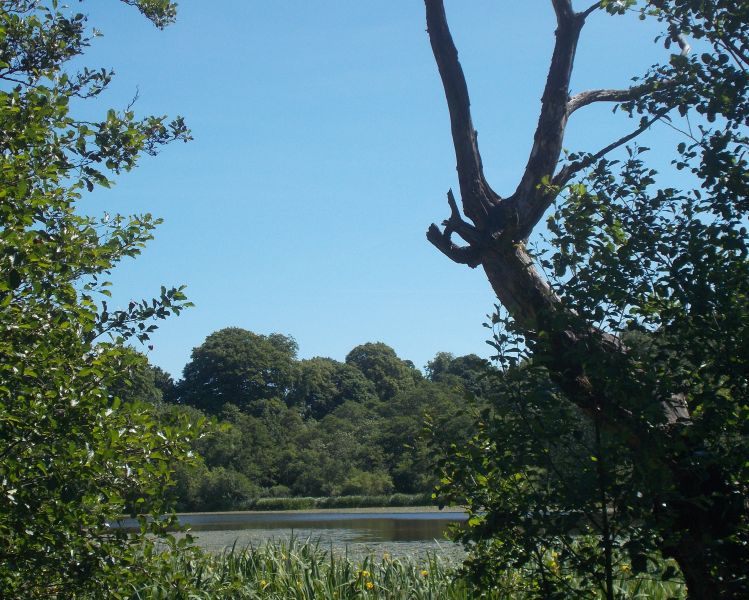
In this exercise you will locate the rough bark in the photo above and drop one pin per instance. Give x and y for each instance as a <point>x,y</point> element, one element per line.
<point>495,241</point>
<point>478,197</point>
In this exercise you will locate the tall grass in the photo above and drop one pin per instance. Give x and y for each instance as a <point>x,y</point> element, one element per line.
<point>294,570</point>
<point>305,571</point>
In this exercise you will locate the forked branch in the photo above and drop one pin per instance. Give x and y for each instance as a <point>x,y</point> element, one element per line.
<point>468,255</point>
<point>531,198</point>
<point>465,255</point>
<point>515,217</point>
<point>591,9</point>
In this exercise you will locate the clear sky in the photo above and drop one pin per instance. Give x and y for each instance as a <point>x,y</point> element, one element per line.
<point>322,152</point>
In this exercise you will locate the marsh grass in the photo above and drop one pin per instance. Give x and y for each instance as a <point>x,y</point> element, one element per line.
<point>297,570</point>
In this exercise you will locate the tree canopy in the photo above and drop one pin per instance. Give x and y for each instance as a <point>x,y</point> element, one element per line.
<point>381,366</point>
<point>469,371</point>
<point>323,384</point>
<point>237,366</point>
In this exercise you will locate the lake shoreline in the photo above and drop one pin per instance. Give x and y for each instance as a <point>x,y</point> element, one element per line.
<point>416,532</point>
<point>356,510</point>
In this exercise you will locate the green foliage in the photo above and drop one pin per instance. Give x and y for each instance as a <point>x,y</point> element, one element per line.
<point>381,366</point>
<point>311,503</point>
<point>303,570</point>
<point>160,12</point>
<point>327,453</point>
<point>435,410</point>
<point>136,379</point>
<point>295,571</point>
<point>237,366</point>
<point>470,372</point>
<point>330,435</point>
<point>73,456</point>
<point>532,478</point>
<point>323,384</point>
<point>224,489</point>
<point>163,382</point>
<point>367,483</point>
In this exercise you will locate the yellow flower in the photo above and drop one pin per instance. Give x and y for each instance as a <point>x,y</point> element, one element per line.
<point>424,573</point>
<point>364,573</point>
<point>263,583</point>
<point>553,563</point>
<point>625,568</point>
<point>370,585</point>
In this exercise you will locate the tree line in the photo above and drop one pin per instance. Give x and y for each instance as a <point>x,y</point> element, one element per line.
<point>318,427</point>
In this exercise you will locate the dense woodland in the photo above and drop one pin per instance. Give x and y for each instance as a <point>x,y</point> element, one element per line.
<point>315,427</point>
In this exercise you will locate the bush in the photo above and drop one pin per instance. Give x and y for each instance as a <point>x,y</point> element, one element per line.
<point>309,503</point>
<point>225,489</point>
<point>365,483</point>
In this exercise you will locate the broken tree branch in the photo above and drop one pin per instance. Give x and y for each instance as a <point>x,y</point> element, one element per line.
<point>465,255</point>
<point>589,97</point>
<point>456,223</point>
<point>468,255</point>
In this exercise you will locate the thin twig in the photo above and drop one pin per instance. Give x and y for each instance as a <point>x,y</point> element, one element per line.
<point>566,173</point>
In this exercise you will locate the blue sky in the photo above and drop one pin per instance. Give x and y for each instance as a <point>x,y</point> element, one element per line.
<point>321,155</point>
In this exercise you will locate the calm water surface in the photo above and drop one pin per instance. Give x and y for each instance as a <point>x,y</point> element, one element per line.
<point>356,534</point>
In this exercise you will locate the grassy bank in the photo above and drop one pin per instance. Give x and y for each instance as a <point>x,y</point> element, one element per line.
<point>304,571</point>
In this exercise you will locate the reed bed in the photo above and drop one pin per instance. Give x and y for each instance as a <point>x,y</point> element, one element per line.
<point>297,570</point>
<point>310,503</point>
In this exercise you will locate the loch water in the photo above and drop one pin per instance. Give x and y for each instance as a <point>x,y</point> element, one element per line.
<point>352,533</point>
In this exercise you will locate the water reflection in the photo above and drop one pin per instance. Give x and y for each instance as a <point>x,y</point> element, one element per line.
<point>354,534</point>
<point>355,527</point>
